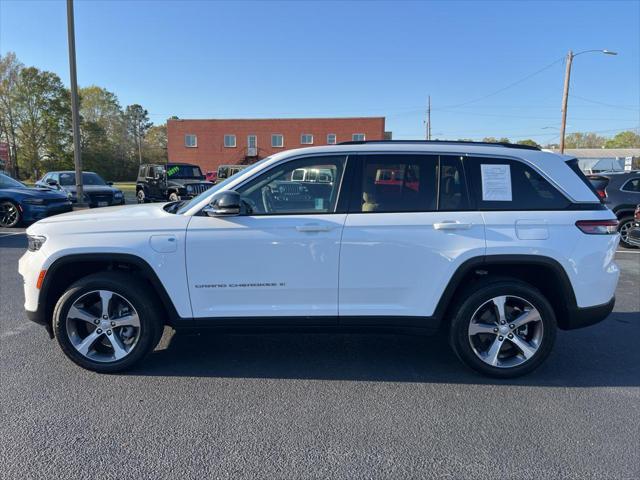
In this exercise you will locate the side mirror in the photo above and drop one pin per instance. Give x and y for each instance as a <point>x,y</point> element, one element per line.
<point>225,203</point>
<point>110,184</point>
<point>52,182</point>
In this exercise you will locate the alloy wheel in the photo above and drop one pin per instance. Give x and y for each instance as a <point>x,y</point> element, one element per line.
<point>624,230</point>
<point>506,331</point>
<point>103,326</point>
<point>9,214</point>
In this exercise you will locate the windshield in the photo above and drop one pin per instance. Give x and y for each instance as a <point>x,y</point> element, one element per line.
<point>8,182</point>
<point>88,178</point>
<point>219,186</point>
<point>183,171</point>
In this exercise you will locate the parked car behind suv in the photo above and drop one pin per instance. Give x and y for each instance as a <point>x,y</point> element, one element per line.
<point>620,191</point>
<point>170,182</point>
<point>497,245</point>
<point>633,237</point>
<point>97,192</point>
<point>21,204</point>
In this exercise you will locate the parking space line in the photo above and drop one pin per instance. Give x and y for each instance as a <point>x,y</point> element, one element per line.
<point>628,251</point>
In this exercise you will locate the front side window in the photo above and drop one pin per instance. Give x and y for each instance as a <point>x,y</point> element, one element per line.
<point>277,140</point>
<point>229,141</point>
<point>303,186</point>
<point>190,140</point>
<point>358,137</point>
<point>397,183</point>
<point>306,139</point>
<point>452,191</point>
<point>88,178</point>
<point>331,139</point>
<point>502,184</point>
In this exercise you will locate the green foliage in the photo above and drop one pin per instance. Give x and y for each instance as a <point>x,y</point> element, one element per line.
<point>584,140</point>
<point>626,139</point>
<point>529,142</point>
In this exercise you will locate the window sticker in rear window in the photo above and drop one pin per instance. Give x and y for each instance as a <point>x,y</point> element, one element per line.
<point>496,183</point>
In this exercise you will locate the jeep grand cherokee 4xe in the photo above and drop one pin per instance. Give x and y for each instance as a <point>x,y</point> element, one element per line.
<point>496,245</point>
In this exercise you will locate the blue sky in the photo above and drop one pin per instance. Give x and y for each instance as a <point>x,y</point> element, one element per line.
<point>211,59</point>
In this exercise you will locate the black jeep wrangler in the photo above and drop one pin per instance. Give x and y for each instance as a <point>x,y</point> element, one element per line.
<point>170,182</point>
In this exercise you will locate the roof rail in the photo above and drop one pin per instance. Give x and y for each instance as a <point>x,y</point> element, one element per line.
<point>443,142</point>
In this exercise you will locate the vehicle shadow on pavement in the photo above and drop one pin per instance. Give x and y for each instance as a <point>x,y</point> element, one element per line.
<point>604,355</point>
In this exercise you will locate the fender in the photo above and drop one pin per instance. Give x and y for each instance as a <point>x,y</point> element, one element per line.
<point>42,314</point>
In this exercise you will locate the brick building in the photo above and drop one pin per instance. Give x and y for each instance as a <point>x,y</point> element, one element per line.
<point>210,143</point>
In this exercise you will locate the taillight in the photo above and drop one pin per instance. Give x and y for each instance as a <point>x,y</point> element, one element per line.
<point>597,227</point>
<point>601,194</point>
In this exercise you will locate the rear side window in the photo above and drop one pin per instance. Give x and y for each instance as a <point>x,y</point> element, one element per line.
<point>397,183</point>
<point>515,186</point>
<point>632,185</point>
<point>573,165</point>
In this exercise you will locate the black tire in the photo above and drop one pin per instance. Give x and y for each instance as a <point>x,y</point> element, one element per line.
<point>140,196</point>
<point>628,223</point>
<point>10,215</point>
<point>127,286</point>
<point>473,298</point>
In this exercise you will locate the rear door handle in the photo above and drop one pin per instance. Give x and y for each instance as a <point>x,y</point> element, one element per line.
<point>313,228</point>
<point>451,225</point>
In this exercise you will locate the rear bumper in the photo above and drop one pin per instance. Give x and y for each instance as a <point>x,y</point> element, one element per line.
<point>633,237</point>
<point>583,317</point>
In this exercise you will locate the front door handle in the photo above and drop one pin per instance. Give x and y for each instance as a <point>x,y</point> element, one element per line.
<point>451,225</point>
<point>313,228</point>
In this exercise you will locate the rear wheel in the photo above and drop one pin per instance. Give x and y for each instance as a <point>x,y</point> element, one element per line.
<point>624,226</point>
<point>173,197</point>
<point>140,196</point>
<point>107,323</point>
<point>10,215</point>
<point>503,329</point>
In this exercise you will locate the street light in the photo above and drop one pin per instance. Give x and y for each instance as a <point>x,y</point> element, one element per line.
<point>565,96</point>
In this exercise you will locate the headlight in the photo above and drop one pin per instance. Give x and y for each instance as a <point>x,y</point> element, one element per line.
<point>35,242</point>
<point>34,201</point>
<point>117,195</point>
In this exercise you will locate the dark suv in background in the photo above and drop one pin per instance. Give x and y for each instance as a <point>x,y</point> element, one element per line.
<point>620,191</point>
<point>97,192</point>
<point>170,182</point>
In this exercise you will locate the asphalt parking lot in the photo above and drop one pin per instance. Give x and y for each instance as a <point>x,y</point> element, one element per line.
<point>337,406</point>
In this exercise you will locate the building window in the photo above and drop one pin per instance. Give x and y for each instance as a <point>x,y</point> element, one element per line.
<point>358,137</point>
<point>331,139</point>
<point>277,140</point>
<point>252,141</point>
<point>306,139</point>
<point>190,140</point>
<point>229,141</point>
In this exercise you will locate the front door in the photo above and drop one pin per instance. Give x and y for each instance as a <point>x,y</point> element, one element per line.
<point>409,228</point>
<point>280,257</point>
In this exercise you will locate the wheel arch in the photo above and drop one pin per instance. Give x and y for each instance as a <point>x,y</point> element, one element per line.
<point>68,269</point>
<point>544,273</point>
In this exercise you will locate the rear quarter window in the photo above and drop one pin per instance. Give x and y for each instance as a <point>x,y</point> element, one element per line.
<point>529,190</point>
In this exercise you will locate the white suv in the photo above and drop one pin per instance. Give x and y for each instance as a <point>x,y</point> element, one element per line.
<point>498,245</point>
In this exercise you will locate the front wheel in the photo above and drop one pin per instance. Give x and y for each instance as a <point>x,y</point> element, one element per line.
<point>107,322</point>
<point>10,215</point>
<point>503,329</point>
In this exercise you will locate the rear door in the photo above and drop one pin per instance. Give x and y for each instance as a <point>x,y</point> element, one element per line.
<point>408,229</point>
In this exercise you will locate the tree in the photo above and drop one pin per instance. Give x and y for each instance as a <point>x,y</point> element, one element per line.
<point>628,139</point>
<point>101,126</point>
<point>584,140</point>
<point>42,121</point>
<point>156,144</point>
<point>529,142</point>
<point>10,69</point>
<point>138,124</point>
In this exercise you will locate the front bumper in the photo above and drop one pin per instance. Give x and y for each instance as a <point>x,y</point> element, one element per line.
<point>33,213</point>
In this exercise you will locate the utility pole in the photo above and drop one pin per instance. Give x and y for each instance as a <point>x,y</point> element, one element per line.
<point>428,132</point>
<point>75,114</point>
<point>565,99</point>
<point>567,81</point>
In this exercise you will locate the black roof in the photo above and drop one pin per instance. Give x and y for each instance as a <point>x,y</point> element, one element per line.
<point>444,142</point>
